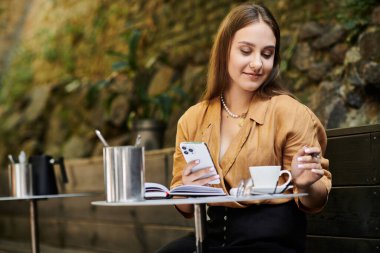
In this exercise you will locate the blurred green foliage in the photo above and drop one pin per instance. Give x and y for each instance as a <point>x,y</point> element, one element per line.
<point>127,62</point>
<point>142,104</point>
<point>355,13</point>
<point>17,80</point>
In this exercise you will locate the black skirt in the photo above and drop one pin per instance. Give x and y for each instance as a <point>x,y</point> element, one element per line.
<point>265,228</point>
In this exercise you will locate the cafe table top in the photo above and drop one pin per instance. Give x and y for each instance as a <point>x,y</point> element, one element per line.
<point>52,196</point>
<point>197,200</point>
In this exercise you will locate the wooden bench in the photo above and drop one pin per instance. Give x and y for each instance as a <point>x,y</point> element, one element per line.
<point>349,223</point>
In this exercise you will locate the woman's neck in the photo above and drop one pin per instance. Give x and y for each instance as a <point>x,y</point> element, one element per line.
<point>237,101</point>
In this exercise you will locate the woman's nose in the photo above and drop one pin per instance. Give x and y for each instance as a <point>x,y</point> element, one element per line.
<point>256,64</point>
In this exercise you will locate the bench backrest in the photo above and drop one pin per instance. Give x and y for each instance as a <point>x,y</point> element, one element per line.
<point>350,222</point>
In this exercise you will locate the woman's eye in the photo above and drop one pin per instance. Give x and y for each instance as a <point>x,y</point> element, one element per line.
<point>267,55</point>
<point>245,51</point>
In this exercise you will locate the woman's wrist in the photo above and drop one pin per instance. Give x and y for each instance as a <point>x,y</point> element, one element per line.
<point>304,188</point>
<point>316,198</point>
<point>307,188</point>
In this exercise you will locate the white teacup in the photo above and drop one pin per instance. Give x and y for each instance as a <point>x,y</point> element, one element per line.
<point>267,177</point>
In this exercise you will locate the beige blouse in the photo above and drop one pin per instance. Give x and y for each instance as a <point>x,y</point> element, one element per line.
<point>273,131</point>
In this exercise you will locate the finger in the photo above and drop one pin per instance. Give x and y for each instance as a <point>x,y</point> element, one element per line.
<point>309,166</point>
<point>206,180</point>
<point>318,171</point>
<point>189,166</point>
<point>308,159</point>
<point>313,151</point>
<point>301,151</point>
<point>201,173</point>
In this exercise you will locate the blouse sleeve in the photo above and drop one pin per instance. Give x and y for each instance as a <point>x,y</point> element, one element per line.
<point>307,130</point>
<point>179,162</point>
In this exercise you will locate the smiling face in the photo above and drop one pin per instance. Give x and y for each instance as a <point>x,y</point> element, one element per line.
<point>251,56</point>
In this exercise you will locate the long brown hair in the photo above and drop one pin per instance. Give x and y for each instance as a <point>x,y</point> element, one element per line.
<point>239,17</point>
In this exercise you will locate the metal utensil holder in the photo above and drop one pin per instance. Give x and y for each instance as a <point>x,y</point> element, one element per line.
<point>124,168</point>
<point>20,179</point>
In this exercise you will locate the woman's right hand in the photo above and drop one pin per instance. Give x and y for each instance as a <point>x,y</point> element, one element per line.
<point>196,178</point>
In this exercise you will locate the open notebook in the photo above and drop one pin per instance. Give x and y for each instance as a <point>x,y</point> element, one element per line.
<point>155,190</point>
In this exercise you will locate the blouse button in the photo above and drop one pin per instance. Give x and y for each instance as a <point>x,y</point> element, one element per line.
<point>225,217</point>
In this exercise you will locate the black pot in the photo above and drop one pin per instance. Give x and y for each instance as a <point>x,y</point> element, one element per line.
<point>44,179</point>
<point>151,132</point>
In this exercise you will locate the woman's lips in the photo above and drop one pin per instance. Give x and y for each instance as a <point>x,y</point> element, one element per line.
<point>253,75</point>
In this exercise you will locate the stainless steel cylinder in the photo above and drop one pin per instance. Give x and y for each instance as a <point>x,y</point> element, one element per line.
<point>124,168</point>
<point>20,180</point>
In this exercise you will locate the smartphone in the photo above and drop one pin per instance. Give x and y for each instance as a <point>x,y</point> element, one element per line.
<point>199,151</point>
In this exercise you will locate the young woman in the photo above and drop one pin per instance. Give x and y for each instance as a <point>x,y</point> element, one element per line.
<point>248,119</point>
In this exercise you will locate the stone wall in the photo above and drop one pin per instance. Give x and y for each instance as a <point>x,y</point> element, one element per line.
<point>68,75</point>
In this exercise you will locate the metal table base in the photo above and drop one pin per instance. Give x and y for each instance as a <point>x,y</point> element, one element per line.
<point>34,231</point>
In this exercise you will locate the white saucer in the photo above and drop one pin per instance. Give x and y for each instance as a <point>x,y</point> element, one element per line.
<point>269,190</point>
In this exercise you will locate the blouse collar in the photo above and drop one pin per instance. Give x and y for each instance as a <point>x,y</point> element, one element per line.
<point>257,110</point>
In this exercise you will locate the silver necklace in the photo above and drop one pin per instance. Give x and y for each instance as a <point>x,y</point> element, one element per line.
<point>233,115</point>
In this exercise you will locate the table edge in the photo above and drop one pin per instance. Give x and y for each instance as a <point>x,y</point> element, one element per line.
<point>52,196</point>
<point>197,200</point>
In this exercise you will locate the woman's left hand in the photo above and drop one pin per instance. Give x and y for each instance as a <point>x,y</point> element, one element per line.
<point>306,167</point>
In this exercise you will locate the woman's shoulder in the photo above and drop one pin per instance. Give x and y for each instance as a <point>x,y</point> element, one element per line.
<point>297,117</point>
<point>285,99</point>
<point>286,103</point>
<point>198,110</point>
<point>288,107</point>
